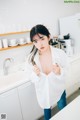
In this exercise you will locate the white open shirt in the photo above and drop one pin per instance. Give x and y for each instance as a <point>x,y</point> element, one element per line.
<point>49,88</point>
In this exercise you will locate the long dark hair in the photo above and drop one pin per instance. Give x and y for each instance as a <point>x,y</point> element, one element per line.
<point>38,29</point>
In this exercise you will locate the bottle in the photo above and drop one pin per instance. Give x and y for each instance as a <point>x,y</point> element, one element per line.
<point>0,44</point>
<point>64,48</point>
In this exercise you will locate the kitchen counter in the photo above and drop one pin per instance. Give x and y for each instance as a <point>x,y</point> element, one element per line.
<point>20,77</point>
<point>13,80</point>
<point>74,57</point>
<point>70,112</point>
<point>17,86</point>
<point>18,95</point>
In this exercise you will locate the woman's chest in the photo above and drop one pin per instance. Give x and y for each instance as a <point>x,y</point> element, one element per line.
<point>46,64</point>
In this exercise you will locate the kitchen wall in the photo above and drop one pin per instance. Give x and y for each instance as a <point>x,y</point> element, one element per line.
<point>18,15</point>
<point>22,14</point>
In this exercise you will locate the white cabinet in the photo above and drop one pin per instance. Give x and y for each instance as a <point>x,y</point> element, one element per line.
<point>29,105</point>
<point>9,106</point>
<point>75,70</point>
<point>73,80</point>
<point>20,104</point>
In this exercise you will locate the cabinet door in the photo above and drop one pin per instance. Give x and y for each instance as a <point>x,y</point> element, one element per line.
<point>9,106</point>
<point>74,77</point>
<point>29,105</point>
<point>75,71</point>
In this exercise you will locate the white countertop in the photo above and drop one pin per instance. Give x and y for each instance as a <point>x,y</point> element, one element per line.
<point>70,112</point>
<point>13,80</point>
<point>74,57</point>
<point>19,77</point>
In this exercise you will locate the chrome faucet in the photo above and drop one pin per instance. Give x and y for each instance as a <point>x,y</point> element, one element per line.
<point>6,65</point>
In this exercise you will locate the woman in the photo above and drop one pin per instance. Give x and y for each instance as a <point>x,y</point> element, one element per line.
<point>47,66</point>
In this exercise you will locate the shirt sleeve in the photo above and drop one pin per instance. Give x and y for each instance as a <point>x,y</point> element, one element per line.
<point>64,66</point>
<point>30,73</point>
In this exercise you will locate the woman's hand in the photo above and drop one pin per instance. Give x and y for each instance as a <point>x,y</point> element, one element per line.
<point>36,70</point>
<point>56,69</point>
